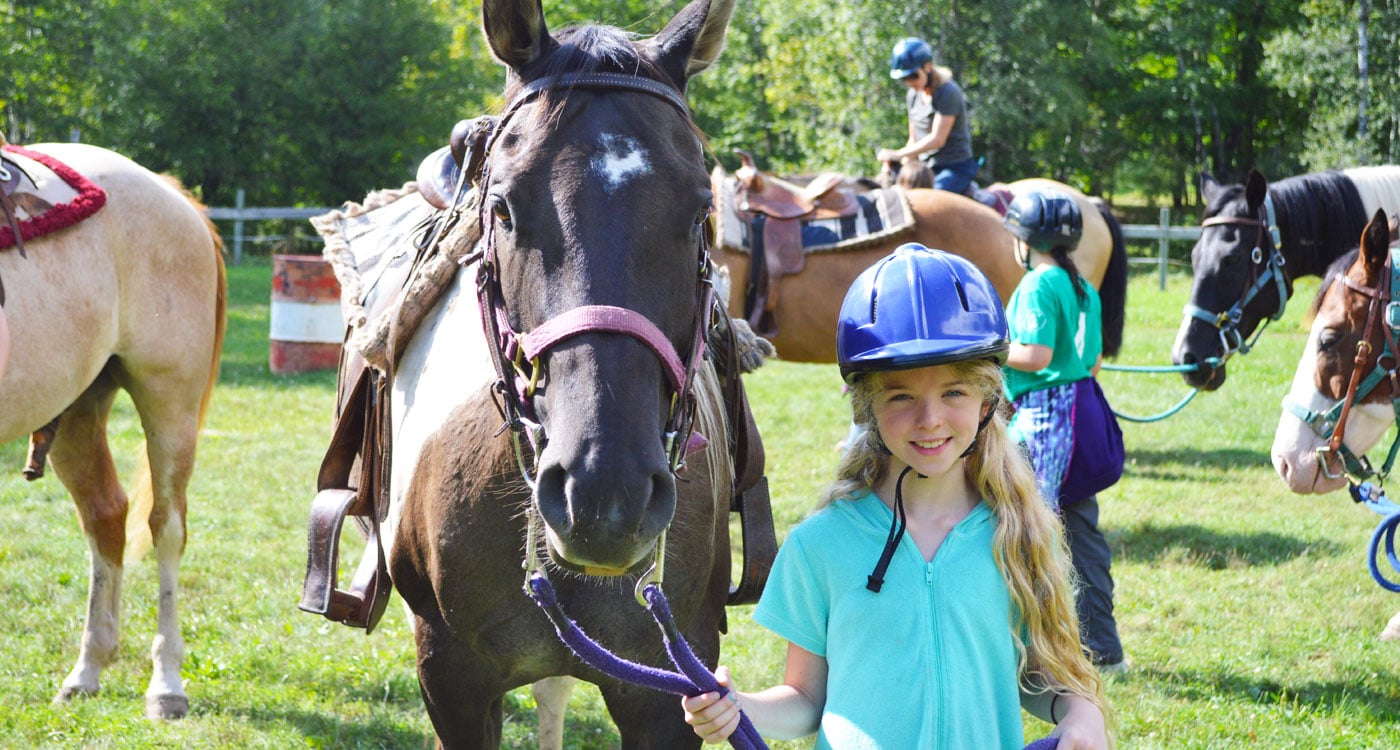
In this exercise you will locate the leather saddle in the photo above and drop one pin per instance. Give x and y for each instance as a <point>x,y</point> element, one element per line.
<point>776,210</point>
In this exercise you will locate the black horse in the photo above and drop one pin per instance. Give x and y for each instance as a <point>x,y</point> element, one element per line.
<point>1256,239</point>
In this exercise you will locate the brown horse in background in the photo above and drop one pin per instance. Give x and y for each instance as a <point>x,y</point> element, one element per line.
<point>1343,398</point>
<point>811,300</point>
<point>132,297</point>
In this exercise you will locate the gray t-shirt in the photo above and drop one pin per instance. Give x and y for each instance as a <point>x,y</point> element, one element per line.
<point>947,100</point>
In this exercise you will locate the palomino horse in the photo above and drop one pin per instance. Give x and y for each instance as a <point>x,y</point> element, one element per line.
<point>595,207</point>
<point>1255,239</point>
<point>132,297</point>
<point>811,300</point>
<point>1344,397</point>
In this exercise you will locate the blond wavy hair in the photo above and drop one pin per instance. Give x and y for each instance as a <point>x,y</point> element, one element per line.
<point>1029,545</point>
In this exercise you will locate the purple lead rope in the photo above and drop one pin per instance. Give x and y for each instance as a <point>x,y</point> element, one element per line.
<point>696,679</point>
<point>693,679</point>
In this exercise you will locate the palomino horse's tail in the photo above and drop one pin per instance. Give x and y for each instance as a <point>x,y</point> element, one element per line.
<point>142,496</point>
<point>1113,290</point>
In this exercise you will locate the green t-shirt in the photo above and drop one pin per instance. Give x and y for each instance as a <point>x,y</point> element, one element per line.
<point>930,661</point>
<point>1044,310</point>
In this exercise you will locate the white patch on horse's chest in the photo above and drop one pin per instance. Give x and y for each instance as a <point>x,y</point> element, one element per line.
<point>618,159</point>
<point>446,363</point>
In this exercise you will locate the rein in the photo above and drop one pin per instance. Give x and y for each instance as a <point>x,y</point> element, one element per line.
<point>1270,269</point>
<point>1330,424</point>
<point>517,358</point>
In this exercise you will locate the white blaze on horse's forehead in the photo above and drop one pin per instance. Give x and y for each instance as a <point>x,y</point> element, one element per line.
<point>619,157</point>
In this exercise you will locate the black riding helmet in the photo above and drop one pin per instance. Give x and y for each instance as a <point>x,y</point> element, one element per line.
<point>1045,220</point>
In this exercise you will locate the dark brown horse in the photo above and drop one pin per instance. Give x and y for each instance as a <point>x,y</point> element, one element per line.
<point>596,205</point>
<point>1343,399</point>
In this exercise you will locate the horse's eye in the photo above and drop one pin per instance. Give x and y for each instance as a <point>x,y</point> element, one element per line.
<point>1328,340</point>
<point>501,210</point>
<point>702,216</point>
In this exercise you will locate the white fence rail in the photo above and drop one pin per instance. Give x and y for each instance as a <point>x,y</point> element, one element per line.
<point>1163,231</point>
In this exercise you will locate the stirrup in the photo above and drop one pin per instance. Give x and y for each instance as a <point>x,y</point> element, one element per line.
<point>363,604</point>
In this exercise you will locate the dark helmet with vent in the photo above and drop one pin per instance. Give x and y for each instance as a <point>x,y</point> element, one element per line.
<point>919,307</point>
<point>908,56</point>
<point>1046,219</point>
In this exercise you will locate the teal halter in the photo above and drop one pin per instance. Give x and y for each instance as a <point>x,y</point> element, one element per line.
<point>1331,424</point>
<point>1271,271</point>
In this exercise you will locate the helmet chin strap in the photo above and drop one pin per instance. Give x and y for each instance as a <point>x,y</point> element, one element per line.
<point>876,579</point>
<point>982,425</point>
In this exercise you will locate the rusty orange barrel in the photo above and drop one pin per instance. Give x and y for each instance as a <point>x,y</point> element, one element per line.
<point>307,326</point>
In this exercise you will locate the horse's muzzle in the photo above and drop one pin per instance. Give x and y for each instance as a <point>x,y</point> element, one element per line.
<point>604,521</point>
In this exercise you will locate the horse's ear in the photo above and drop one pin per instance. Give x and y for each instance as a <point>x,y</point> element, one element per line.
<point>515,30</point>
<point>1209,187</point>
<point>1375,240</point>
<point>693,39</point>
<point>1256,188</point>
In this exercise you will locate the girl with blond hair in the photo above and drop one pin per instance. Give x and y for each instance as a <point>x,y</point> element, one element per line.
<point>927,601</point>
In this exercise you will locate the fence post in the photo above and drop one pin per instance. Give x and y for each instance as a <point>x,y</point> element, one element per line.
<point>238,229</point>
<point>1164,219</point>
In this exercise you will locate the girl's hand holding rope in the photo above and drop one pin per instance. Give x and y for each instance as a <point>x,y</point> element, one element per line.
<point>714,716</point>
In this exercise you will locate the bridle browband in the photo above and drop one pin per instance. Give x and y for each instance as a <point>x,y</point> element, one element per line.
<point>518,356</point>
<point>1268,269</point>
<point>1331,423</point>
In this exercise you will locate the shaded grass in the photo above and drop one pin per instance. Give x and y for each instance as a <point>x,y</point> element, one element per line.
<point>1247,611</point>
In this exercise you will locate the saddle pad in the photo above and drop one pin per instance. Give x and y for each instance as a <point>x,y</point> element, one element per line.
<point>883,213</point>
<point>364,240</point>
<point>70,196</point>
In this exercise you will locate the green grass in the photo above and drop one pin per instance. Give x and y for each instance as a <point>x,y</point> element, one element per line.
<point>1246,611</point>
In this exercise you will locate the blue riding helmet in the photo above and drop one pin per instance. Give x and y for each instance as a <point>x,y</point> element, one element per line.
<point>908,56</point>
<point>919,307</point>
<point>1045,219</point>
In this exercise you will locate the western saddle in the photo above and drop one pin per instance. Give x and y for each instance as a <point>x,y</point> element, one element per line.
<point>775,210</point>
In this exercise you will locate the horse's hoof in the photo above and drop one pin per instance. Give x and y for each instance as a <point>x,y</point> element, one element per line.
<point>67,693</point>
<point>1392,629</point>
<point>167,706</point>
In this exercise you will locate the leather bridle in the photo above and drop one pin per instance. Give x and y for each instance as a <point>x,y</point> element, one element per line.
<point>1267,265</point>
<point>1330,424</point>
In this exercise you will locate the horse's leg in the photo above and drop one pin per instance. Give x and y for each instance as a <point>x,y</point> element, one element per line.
<point>466,712</point>
<point>169,409</point>
<point>648,718</point>
<point>551,702</point>
<point>1392,629</point>
<point>82,461</point>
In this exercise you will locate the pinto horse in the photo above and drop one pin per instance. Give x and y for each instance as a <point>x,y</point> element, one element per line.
<point>132,297</point>
<point>1258,237</point>
<point>1344,399</point>
<point>582,326</point>
<point>811,300</point>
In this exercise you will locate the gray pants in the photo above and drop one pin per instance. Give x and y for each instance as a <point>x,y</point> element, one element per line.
<point>1093,602</point>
